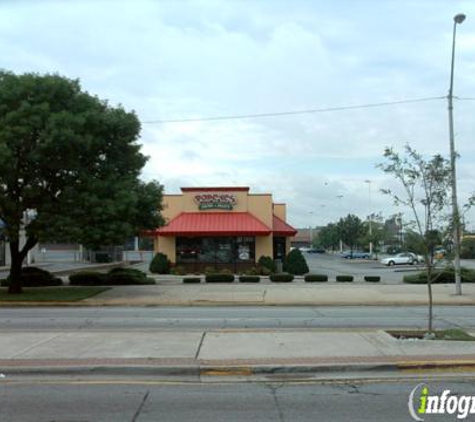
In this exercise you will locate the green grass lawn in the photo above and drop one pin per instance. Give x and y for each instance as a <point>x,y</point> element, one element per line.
<point>455,334</point>
<point>54,294</point>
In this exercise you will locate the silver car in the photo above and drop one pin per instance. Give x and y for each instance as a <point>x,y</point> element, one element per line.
<point>404,258</point>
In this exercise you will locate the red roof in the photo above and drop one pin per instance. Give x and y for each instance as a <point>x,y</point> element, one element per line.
<point>281,228</point>
<point>214,224</point>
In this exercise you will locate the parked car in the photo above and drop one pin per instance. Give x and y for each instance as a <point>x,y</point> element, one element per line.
<point>316,250</point>
<point>403,258</point>
<point>355,255</point>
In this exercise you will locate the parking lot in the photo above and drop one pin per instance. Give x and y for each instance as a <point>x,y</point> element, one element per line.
<point>332,264</point>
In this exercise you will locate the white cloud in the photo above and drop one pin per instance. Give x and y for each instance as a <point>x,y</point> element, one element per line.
<point>189,59</point>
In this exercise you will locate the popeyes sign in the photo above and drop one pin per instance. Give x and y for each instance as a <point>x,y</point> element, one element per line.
<point>209,201</point>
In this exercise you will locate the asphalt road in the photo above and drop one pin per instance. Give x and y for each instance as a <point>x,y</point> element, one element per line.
<point>141,401</point>
<point>186,318</point>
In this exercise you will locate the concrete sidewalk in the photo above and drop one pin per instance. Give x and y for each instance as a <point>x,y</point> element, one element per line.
<point>270,294</point>
<point>296,293</point>
<point>225,352</point>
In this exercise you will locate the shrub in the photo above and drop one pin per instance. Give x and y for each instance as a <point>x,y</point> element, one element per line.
<point>190,280</point>
<point>127,276</point>
<point>467,248</point>
<point>210,270</point>
<point>344,278</point>
<point>249,279</point>
<point>446,275</point>
<point>115,277</point>
<point>372,278</point>
<point>160,264</point>
<point>178,270</point>
<point>35,277</point>
<point>295,263</point>
<point>266,265</point>
<point>281,277</point>
<point>316,277</point>
<point>132,271</point>
<point>88,278</point>
<point>252,271</point>
<point>219,278</point>
<point>225,271</point>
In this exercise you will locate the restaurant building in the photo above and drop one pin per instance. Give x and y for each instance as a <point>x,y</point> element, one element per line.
<point>222,227</point>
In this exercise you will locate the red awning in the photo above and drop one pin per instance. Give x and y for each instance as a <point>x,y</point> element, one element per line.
<point>281,228</point>
<point>214,224</point>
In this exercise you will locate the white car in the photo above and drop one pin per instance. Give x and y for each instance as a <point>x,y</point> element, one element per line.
<point>407,258</point>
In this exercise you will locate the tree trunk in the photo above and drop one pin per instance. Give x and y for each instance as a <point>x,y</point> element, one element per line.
<point>17,257</point>
<point>15,269</point>
<point>429,289</point>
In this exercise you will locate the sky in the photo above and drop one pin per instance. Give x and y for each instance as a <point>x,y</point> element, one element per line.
<point>184,60</point>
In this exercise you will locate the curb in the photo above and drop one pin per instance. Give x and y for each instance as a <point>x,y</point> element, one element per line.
<point>238,370</point>
<point>108,303</point>
<point>196,370</point>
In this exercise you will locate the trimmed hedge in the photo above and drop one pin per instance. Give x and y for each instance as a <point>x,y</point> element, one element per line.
<point>35,277</point>
<point>219,278</point>
<point>190,280</point>
<point>344,278</point>
<point>88,278</point>
<point>249,279</point>
<point>316,277</point>
<point>295,263</point>
<point>127,276</point>
<point>372,278</point>
<point>441,277</point>
<point>281,278</point>
<point>160,264</point>
<point>115,277</point>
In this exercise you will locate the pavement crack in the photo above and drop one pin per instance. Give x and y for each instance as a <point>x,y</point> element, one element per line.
<point>141,405</point>
<point>200,344</point>
<point>273,390</point>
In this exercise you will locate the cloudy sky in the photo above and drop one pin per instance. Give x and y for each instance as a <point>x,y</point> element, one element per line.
<point>181,60</point>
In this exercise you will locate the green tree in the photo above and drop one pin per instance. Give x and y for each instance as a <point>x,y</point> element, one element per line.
<point>426,184</point>
<point>329,236</point>
<point>351,230</point>
<point>69,167</point>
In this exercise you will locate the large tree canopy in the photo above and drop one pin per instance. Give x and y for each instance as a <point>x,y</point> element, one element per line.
<point>69,167</point>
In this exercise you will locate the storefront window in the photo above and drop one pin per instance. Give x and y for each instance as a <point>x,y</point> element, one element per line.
<point>215,249</point>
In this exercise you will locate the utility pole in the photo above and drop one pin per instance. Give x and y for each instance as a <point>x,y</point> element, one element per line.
<point>458,19</point>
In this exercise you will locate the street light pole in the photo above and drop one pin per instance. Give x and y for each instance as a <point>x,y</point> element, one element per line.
<point>370,219</point>
<point>341,241</point>
<point>458,19</point>
<point>311,229</point>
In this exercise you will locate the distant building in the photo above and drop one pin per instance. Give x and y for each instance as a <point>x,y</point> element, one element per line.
<point>301,239</point>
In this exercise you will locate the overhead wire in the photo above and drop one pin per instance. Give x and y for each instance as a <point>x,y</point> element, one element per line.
<point>295,112</point>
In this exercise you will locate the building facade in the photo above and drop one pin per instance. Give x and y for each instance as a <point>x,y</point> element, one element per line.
<point>222,227</point>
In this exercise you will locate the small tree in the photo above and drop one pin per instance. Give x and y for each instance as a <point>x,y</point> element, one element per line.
<point>426,186</point>
<point>160,264</point>
<point>295,263</point>
<point>351,229</point>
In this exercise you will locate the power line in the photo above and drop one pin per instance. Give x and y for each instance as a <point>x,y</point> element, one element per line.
<point>290,113</point>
